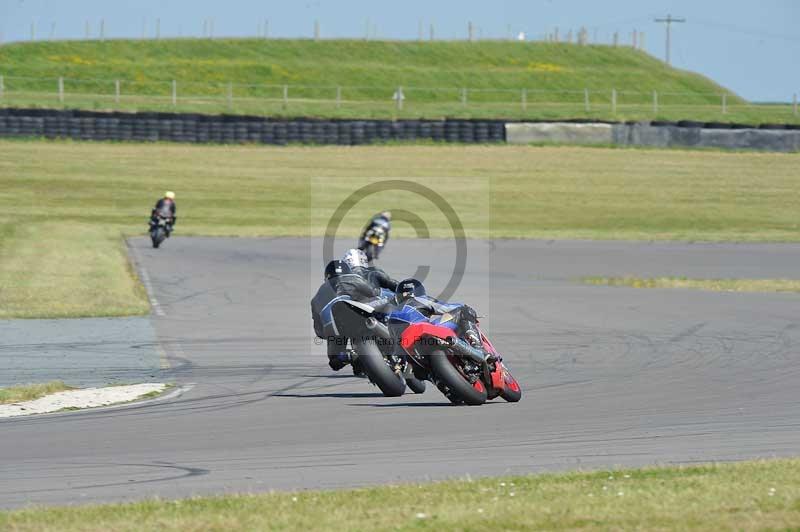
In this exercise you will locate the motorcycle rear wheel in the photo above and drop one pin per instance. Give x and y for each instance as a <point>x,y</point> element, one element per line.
<point>392,384</point>
<point>453,384</point>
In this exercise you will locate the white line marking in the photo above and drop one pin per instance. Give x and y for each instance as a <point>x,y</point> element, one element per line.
<point>148,285</point>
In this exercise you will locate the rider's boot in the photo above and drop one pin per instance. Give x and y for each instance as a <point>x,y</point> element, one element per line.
<point>339,360</point>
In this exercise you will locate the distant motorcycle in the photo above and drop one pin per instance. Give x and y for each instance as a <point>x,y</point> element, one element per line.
<point>372,245</point>
<point>160,227</point>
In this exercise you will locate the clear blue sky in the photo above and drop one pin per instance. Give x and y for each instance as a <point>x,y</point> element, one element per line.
<point>752,47</point>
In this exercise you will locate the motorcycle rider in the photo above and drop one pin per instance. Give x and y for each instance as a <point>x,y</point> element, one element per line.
<point>358,262</point>
<point>165,208</point>
<point>412,292</point>
<point>339,281</point>
<point>376,232</point>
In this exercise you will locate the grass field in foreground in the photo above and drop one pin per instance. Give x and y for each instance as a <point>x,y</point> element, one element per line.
<point>29,392</point>
<point>717,285</point>
<point>743,496</point>
<point>64,205</point>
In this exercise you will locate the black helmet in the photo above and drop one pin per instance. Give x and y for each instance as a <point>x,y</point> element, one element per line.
<point>408,288</point>
<point>336,268</point>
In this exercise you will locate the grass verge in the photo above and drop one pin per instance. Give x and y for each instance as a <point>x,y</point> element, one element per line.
<point>67,269</point>
<point>719,285</point>
<point>64,205</point>
<point>742,496</point>
<point>29,392</point>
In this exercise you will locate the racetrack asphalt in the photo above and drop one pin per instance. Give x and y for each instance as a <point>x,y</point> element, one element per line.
<point>611,376</point>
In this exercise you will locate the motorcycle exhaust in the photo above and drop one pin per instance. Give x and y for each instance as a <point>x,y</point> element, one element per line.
<point>378,328</point>
<point>464,349</point>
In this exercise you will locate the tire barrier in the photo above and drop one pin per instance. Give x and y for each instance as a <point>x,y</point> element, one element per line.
<point>234,129</point>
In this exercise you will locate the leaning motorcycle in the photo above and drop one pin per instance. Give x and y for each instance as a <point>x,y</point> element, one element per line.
<point>462,372</point>
<point>373,349</point>
<point>159,228</point>
<point>373,243</point>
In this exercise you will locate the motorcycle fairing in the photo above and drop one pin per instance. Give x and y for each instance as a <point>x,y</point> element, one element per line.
<point>420,329</point>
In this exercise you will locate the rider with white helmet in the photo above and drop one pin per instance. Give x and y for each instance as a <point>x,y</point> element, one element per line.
<point>357,260</point>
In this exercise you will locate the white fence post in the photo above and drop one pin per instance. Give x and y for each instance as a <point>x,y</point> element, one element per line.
<point>285,96</point>
<point>463,96</point>
<point>794,98</point>
<point>655,102</point>
<point>61,90</point>
<point>399,98</point>
<point>613,101</point>
<point>174,93</point>
<point>338,97</point>
<point>2,87</point>
<point>116,91</point>
<point>524,99</point>
<point>316,30</point>
<point>724,103</point>
<point>586,99</point>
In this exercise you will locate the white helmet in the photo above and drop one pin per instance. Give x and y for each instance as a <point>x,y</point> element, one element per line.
<point>355,258</point>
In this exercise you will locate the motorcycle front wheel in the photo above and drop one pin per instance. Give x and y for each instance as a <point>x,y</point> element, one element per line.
<point>452,383</point>
<point>391,383</point>
<point>512,391</point>
<point>157,236</point>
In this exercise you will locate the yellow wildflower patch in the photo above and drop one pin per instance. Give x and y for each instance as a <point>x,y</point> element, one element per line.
<point>545,67</point>
<point>71,59</point>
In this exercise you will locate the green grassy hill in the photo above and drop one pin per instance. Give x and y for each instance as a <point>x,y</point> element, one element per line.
<point>432,75</point>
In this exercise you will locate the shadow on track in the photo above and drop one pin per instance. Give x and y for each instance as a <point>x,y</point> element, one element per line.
<point>399,405</point>
<point>344,395</point>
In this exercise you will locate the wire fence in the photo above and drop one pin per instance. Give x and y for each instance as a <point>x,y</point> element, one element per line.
<point>265,98</point>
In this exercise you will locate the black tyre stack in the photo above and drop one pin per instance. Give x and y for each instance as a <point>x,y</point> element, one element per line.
<point>177,127</point>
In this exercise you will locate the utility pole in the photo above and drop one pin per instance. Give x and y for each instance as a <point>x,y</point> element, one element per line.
<point>668,22</point>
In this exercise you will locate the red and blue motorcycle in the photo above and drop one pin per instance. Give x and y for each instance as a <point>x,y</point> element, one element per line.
<point>427,330</point>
